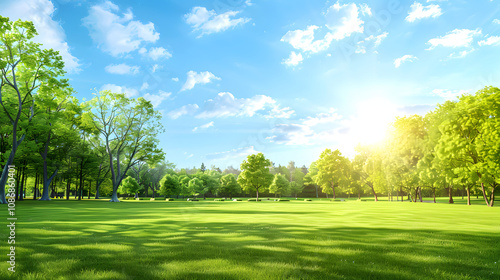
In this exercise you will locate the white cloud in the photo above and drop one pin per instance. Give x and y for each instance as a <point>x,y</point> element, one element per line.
<point>205,126</point>
<point>365,10</point>
<point>293,60</point>
<point>490,41</point>
<point>248,3</point>
<point>404,58</point>
<point>122,69</point>
<point>343,20</point>
<point>460,54</point>
<point>209,22</point>
<point>155,67</point>
<point>144,86</point>
<point>129,92</point>
<point>304,40</point>
<point>449,94</point>
<point>303,132</point>
<point>184,110</point>
<point>279,113</point>
<point>239,153</point>
<point>156,53</point>
<point>175,79</point>
<point>418,11</point>
<point>194,78</point>
<point>118,34</point>
<point>157,99</point>
<point>377,40</point>
<point>497,21</point>
<point>455,38</point>
<point>226,105</point>
<point>50,33</point>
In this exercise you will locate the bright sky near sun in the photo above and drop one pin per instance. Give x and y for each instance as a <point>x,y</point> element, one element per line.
<point>286,78</point>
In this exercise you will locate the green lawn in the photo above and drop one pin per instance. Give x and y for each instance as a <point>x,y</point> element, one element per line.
<point>253,240</point>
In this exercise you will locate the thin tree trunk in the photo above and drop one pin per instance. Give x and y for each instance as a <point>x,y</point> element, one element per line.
<point>257,195</point>
<point>23,182</point>
<point>492,200</point>
<point>90,186</point>
<point>484,195</point>
<point>468,195</point>
<point>434,195</point>
<point>36,184</point>
<point>68,187</point>
<point>316,187</point>
<point>333,189</point>
<point>450,190</point>
<point>420,194</point>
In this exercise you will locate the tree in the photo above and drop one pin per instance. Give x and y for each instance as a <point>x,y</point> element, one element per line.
<point>24,67</point>
<point>130,186</point>
<point>229,185</point>
<point>296,188</point>
<point>309,178</point>
<point>280,185</point>
<point>169,185</point>
<point>196,187</point>
<point>255,174</point>
<point>332,171</point>
<point>129,129</point>
<point>203,168</point>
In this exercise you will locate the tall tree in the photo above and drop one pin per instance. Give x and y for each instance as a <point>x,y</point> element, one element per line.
<point>333,170</point>
<point>280,185</point>
<point>129,129</point>
<point>255,175</point>
<point>24,67</point>
<point>229,185</point>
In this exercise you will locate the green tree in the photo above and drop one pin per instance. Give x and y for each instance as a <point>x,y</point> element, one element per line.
<point>169,185</point>
<point>229,185</point>
<point>332,171</point>
<point>255,175</point>
<point>129,128</point>
<point>24,67</point>
<point>280,185</point>
<point>130,186</point>
<point>196,187</point>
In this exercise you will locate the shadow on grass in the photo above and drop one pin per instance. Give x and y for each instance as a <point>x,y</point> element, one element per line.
<point>86,243</point>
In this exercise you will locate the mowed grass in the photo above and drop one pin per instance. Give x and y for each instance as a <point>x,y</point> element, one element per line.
<point>253,240</point>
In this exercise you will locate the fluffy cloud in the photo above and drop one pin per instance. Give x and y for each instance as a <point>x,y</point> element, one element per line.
<point>376,40</point>
<point>460,54</point>
<point>175,79</point>
<point>184,110</point>
<point>304,40</point>
<point>129,92</point>
<point>455,38</point>
<point>156,53</point>
<point>118,34</point>
<point>303,132</point>
<point>50,32</point>
<point>157,99</point>
<point>144,86</point>
<point>404,58</point>
<point>343,20</point>
<point>490,41</point>
<point>293,60</point>
<point>194,78</point>
<point>497,21</point>
<point>204,126</point>
<point>419,11</point>
<point>279,113</point>
<point>239,153</point>
<point>449,94</point>
<point>209,22</point>
<point>122,69</point>
<point>226,105</point>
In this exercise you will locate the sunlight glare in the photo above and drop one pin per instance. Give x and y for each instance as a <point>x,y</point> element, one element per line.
<point>373,118</point>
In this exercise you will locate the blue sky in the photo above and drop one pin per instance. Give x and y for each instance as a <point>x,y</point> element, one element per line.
<point>286,78</point>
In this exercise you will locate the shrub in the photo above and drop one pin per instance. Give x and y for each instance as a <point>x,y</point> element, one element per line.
<point>192,199</point>
<point>218,199</point>
<point>283,199</point>
<point>307,199</point>
<point>236,199</point>
<point>253,199</point>
<point>169,199</point>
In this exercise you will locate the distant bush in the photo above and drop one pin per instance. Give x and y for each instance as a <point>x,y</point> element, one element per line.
<point>218,199</point>
<point>169,199</point>
<point>253,199</point>
<point>192,199</point>
<point>283,199</point>
<point>236,199</point>
<point>307,199</point>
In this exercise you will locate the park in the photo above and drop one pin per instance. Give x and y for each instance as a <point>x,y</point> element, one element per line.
<point>303,171</point>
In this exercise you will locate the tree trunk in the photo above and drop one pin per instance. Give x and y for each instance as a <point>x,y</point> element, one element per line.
<point>492,200</point>
<point>468,195</point>
<point>333,189</point>
<point>373,190</point>
<point>420,194</point>
<point>257,195</point>
<point>484,195</point>
<point>450,190</point>
<point>36,185</point>
<point>90,186</point>
<point>97,186</point>
<point>114,197</point>
<point>434,195</point>
<point>68,187</point>
<point>316,187</point>
<point>23,182</point>
<point>10,160</point>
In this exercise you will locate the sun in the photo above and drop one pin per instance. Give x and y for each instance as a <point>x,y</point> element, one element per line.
<point>373,118</point>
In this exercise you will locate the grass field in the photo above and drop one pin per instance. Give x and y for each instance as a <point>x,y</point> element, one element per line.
<point>253,240</point>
